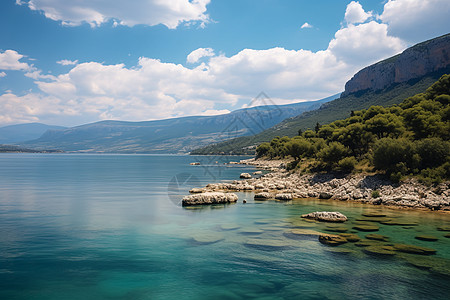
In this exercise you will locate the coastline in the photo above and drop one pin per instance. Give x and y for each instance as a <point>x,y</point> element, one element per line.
<point>281,184</point>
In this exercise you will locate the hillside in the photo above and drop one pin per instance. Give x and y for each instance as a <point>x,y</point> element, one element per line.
<point>411,138</point>
<point>177,135</point>
<point>428,61</point>
<point>24,132</point>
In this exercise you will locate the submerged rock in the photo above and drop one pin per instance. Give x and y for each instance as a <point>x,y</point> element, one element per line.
<point>332,240</point>
<point>373,214</point>
<point>377,237</point>
<point>379,250</point>
<point>399,223</point>
<point>209,198</point>
<point>326,216</point>
<point>366,227</point>
<point>428,238</point>
<point>414,249</point>
<point>351,237</point>
<point>267,245</point>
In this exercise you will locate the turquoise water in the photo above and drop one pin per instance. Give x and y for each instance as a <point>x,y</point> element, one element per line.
<point>109,227</point>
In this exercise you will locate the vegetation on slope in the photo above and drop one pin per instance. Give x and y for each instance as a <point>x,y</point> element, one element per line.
<point>411,138</point>
<point>329,112</point>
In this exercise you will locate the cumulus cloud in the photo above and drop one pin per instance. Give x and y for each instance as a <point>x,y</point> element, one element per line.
<point>66,62</point>
<point>306,25</point>
<point>197,54</point>
<point>417,20</point>
<point>365,43</point>
<point>10,60</point>
<point>122,12</point>
<point>355,13</point>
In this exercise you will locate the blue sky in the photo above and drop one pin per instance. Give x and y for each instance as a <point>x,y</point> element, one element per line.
<point>72,62</point>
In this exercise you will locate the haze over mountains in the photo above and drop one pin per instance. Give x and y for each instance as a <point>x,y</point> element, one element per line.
<point>177,135</point>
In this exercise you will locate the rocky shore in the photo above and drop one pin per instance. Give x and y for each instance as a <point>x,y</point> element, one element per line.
<point>373,189</point>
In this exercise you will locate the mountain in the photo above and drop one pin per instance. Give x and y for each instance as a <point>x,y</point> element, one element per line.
<point>177,135</point>
<point>385,83</point>
<point>13,134</point>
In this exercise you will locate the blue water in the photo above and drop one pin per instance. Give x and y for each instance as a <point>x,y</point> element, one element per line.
<point>79,226</point>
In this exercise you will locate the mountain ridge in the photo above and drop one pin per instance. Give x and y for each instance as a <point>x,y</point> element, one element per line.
<point>175,135</point>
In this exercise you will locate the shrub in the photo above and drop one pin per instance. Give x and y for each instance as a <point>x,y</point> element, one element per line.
<point>376,194</point>
<point>347,164</point>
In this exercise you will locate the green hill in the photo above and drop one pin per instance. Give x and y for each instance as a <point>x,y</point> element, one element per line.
<point>411,138</point>
<point>329,112</point>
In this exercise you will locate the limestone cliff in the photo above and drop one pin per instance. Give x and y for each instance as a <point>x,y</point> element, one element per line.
<point>414,62</point>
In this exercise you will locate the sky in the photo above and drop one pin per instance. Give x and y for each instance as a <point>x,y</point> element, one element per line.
<point>74,62</point>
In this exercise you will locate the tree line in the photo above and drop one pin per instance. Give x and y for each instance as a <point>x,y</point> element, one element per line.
<point>408,139</point>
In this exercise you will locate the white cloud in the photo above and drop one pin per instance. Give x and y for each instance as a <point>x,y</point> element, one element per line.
<point>355,13</point>
<point>417,20</point>
<point>122,12</point>
<point>306,25</point>
<point>365,43</point>
<point>66,62</point>
<point>10,60</point>
<point>196,55</point>
<point>2,74</point>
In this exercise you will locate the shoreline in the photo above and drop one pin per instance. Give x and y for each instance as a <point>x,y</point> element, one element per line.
<point>281,184</point>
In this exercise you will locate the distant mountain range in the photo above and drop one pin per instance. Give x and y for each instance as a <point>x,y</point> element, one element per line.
<point>385,83</point>
<point>13,134</point>
<point>177,135</point>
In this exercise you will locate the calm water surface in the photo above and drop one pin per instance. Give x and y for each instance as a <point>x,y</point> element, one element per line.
<point>109,227</point>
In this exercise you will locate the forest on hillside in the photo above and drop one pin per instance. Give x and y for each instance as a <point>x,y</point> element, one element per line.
<point>408,139</point>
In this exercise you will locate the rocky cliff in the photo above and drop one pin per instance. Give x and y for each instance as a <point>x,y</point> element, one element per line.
<point>414,62</point>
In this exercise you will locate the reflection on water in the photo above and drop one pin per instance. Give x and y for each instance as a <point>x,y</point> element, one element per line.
<point>104,226</point>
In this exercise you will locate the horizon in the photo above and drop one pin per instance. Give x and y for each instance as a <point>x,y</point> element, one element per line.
<point>63,67</point>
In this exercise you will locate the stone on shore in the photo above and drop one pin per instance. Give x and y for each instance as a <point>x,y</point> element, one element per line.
<point>284,196</point>
<point>326,216</point>
<point>257,173</point>
<point>209,198</point>
<point>262,196</point>
<point>245,176</point>
<point>196,191</point>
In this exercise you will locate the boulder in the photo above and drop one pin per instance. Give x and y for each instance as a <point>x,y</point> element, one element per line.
<point>325,195</point>
<point>326,216</point>
<point>209,198</point>
<point>262,196</point>
<point>257,173</point>
<point>245,176</point>
<point>195,164</point>
<point>284,196</point>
